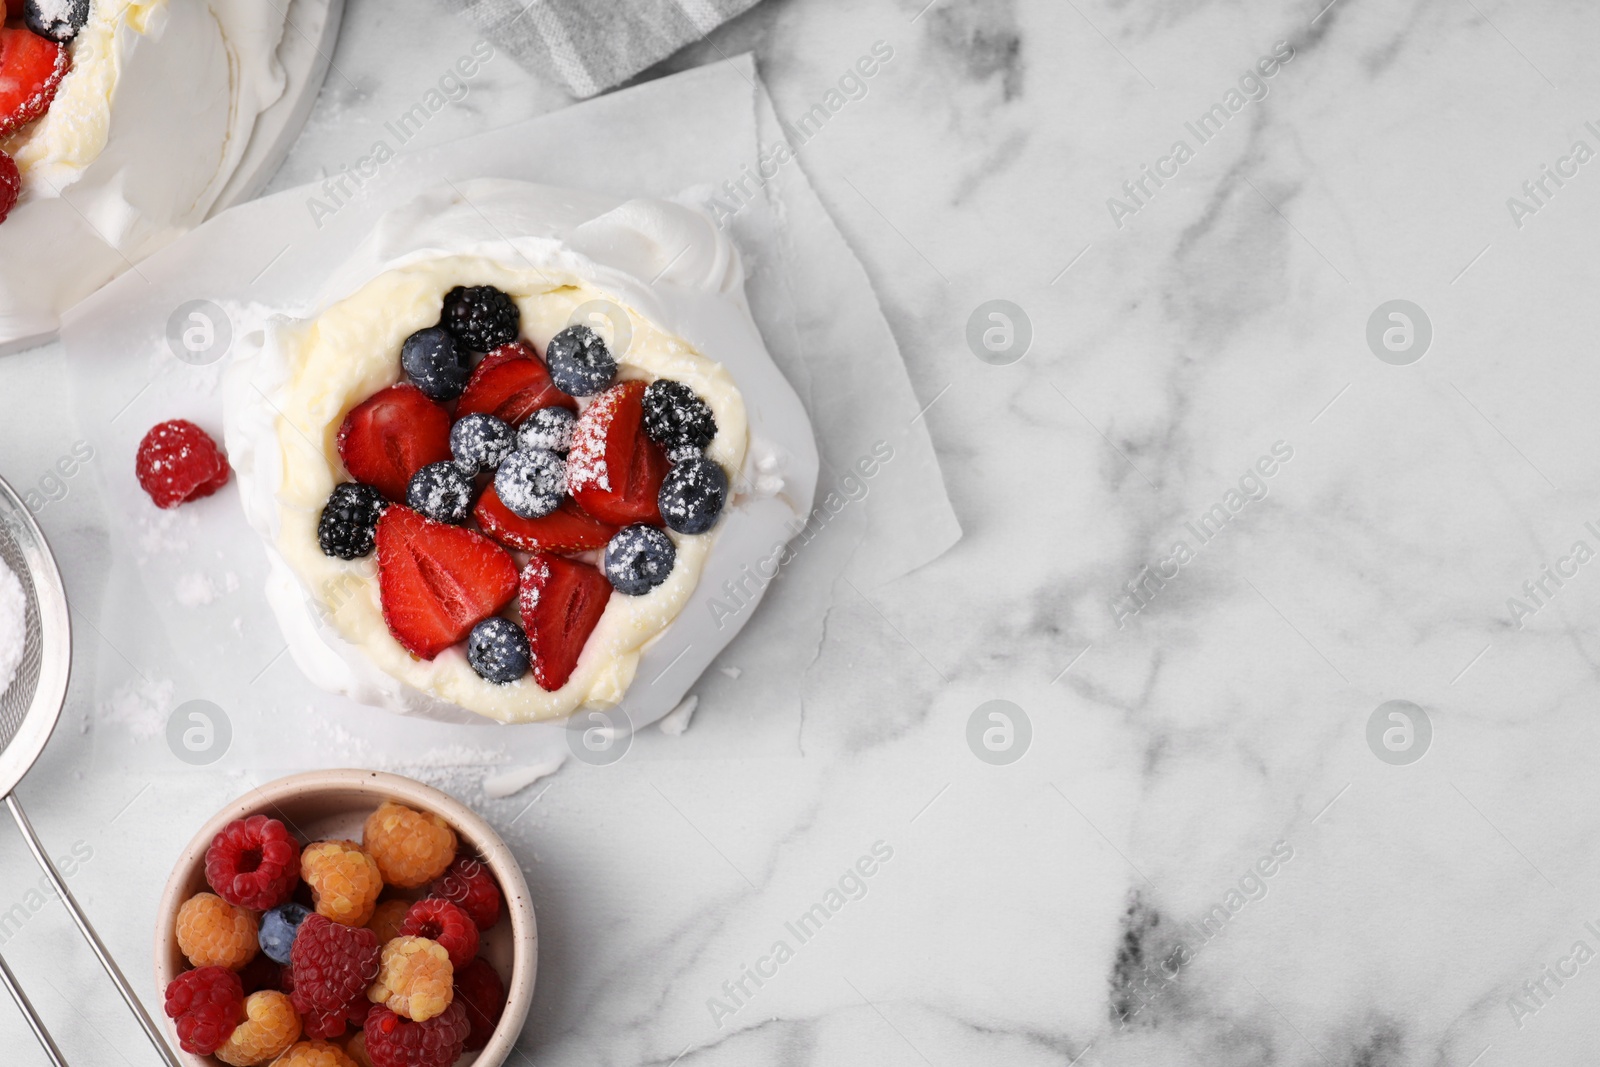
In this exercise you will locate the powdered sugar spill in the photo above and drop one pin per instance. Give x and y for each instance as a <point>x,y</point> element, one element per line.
<point>163,532</point>
<point>731,672</point>
<point>140,705</point>
<point>13,625</point>
<point>676,721</point>
<point>194,590</point>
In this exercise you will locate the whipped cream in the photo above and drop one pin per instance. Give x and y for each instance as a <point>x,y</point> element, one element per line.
<point>144,132</point>
<point>679,282</point>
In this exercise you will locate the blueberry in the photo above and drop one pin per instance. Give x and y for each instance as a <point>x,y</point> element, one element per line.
<point>434,363</point>
<point>675,417</point>
<point>441,492</point>
<point>479,442</point>
<point>480,316</point>
<point>692,495</point>
<point>579,361</point>
<point>348,526</point>
<point>531,483</point>
<point>498,650</point>
<point>549,429</point>
<point>278,929</point>
<point>57,20</point>
<point>638,559</point>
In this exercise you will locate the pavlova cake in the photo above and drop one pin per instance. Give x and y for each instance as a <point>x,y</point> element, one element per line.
<point>120,123</point>
<point>493,464</point>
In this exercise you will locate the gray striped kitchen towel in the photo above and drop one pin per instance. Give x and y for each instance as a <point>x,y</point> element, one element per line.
<point>591,45</point>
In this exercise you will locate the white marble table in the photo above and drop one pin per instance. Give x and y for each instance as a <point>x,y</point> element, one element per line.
<point>1200,858</point>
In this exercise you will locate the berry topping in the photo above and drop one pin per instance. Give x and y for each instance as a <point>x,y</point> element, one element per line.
<point>59,20</point>
<point>638,559</point>
<point>469,885</point>
<point>269,1027</point>
<point>178,462</point>
<point>481,317</point>
<point>441,921</point>
<point>561,602</point>
<point>10,185</point>
<point>480,990</point>
<point>434,363</point>
<point>511,384</point>
<point>441,492</point>
<point>391,435</point>
<point>692,495</point>
<point>498,650</point>
<point>531,484</point>
<point>437,582</point>
<point>566,529</point>
<point>344,880</point>
<point>416,978</point>
<point>614,471</point>
<point>278,928</point>
<point>254,863</point>
<point>675,417</point>
<point>315,1054</point>
<point>31,67</point>
<point>479,442</point>
<point>214,933</point>
<point>580,363</point>
<point>349,522</point>
<point>549,429</point>
<point>412,847</point>
<point>205,1005</point>
<point>393,1041</point>
<point>388,919</point>
<point>332,965</point>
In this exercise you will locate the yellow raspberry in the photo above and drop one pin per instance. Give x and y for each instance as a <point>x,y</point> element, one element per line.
<point>356,1049</point>
<point>415,978</point>
<point>344,881</point>
<point>386,921</point>
<point>214,933</point>
<point>411,848</point>
<point>315,1054</point>
<point>270,1026</point>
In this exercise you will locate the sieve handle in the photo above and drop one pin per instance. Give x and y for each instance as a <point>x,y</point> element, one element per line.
<point>89,935</point>
<point>34,1022</point>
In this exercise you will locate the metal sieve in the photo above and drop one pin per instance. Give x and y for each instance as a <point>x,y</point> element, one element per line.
<point>29,709</point>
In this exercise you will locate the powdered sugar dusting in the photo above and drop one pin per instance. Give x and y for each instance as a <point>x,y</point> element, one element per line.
<point>13,625</point>
<point>140,705</point>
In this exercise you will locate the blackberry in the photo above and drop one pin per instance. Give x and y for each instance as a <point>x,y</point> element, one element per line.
<point>441,492</point>
<point>549,429</point>
<point>56,20</point>
<point>675,417</point>
<point>638,559</point>
<point>434,363</point>
<point>580,363</point>
<point>479,442</point>
<point>349,524</point>
<point>692,495</point>
<point>532,483</point>
<point>497,648</point>
<point>480,316</point>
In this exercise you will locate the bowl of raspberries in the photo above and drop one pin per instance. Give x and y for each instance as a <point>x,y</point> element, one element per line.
<point>346,918</point>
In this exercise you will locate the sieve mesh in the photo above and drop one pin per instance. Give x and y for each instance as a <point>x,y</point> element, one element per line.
<point>18,697</point>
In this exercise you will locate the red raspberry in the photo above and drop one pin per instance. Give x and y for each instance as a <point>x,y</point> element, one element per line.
<point>254,863</point>
<point>479,987</point>
<point>331,965</point>
<point>179,462</point>
<point>206,1005</point>
<point>441,921</point>
<point>396,1042</point>
<point>10,185</point>
<point>469,885</point>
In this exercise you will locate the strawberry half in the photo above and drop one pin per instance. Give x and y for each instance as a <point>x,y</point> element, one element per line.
<point>565,530</point>
<point>437,582</point>
<point>561,602</point>
<point>614,471</point>
<point>30,69</point>
<point>511,383</point>
<point>392,435</point>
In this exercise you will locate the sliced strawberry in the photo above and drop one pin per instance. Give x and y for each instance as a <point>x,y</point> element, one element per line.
<point>561,601</point>
<point>565,530</point>
<point>392,435</point>
<point>511,383</point>
<point>614,471</point>
<point>30,69</point>
<point>436,581</point>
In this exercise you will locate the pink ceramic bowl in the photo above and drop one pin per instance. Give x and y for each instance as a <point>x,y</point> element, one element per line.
<point>322,805</point>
